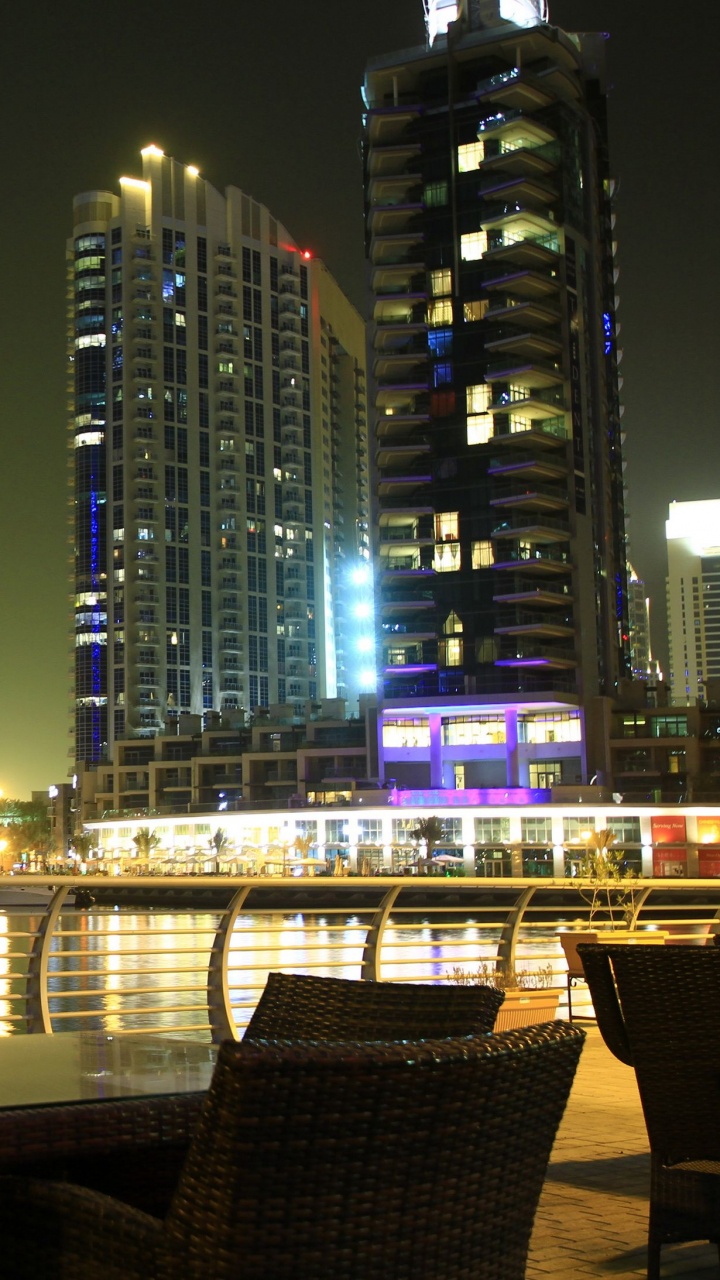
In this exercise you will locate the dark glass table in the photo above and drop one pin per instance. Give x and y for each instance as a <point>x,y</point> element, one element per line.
<point>111,1112</point>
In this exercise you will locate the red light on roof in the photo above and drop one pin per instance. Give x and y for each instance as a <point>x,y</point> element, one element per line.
<point>307,253</point>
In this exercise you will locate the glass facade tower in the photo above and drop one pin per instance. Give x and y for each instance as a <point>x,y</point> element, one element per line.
<point>219,459</point>
<point>499,524</point>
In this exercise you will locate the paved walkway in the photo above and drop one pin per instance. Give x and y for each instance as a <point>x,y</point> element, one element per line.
<point>592,1219</point>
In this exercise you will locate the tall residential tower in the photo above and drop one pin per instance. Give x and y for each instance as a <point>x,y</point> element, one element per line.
<point>220,480</point>
<point>500,528</point>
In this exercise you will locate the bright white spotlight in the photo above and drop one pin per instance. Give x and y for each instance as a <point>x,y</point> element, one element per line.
<point>363,609</point>
<point>360,575</point>
<point>364,644</point>
<point>367,678</point>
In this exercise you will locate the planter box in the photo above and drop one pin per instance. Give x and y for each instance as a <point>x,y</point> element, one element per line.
<point>522,1008</point>
<point>570,939</point>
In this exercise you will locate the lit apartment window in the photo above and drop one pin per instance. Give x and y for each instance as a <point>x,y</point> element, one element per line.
<point>440,312</point>
<point>482,554</point>
<point>470,155</point>
<point>441,282</point>
<point>406,733</point>
<point>473,245</point>
<point>480,428</point>
<point>474,310</point>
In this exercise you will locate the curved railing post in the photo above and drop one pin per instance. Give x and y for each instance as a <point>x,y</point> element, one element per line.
<point>220,1017</point>
<point>38,1002</point>
<point>511,930</point>
<point>371,963</point>
<point>638,903</point>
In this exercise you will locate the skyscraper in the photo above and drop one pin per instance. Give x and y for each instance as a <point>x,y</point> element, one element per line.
<point>500,527</point>
<point>219,475</point>
<point>692,531</point>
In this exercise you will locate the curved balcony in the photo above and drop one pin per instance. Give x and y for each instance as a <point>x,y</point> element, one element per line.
<point>401,423</point>
<point>537,498</point>
<point>531,345</point>
<point>393,219</point>
<point>388,126</point>
<point>395,279</point>
<point>532,559</point>
<point>539,655</point>
<point>402,484</point>
<point>518,622</point>
<point>410,600</point>
<point>528,159</point>
<point>530,595</point>
<point>396,454</point>
<point>515,89</point>
<point>535,466</point>
<point>387,250</point>
<point>527,283</point>
<point>527,373</point>
<point>516,188</point>
<point>403,399</point>
<point>402,186</point>
<point>392,159</point>
<point>540,528</point>
<point>527,312</point>
<point>402,530</point>
<point>412,565</point>
<point>402,367</point>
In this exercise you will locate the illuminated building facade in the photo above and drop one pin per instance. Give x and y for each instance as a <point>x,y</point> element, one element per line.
<point>219,461</point>
<point>639,618</point>
<point>692,531</point>
<point>499,527</point>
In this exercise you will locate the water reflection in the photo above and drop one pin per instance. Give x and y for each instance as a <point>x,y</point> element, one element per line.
<point>147,970</point>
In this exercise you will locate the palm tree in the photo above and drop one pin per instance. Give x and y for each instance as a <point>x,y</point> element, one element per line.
<point>83,844</point>
<point>145,841</point>
<point>431,831</point>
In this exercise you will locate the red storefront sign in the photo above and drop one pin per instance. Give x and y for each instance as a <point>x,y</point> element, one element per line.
<point>669,862</point>
<point>668,831</point>
<point>708,861</point>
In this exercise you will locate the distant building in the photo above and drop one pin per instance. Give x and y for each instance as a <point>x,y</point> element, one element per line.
<point>692,531</point>
<point>500,541</point>
<point>639,618</point>
<point>220,471</point>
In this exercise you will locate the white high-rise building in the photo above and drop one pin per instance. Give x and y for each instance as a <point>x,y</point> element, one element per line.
<point>692,531</point>
<point>219,461</point>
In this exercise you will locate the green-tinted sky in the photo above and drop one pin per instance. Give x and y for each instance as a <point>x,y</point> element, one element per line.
<point>266,97</point>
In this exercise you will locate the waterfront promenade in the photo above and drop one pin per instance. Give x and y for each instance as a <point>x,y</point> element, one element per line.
<point>592,1219</point>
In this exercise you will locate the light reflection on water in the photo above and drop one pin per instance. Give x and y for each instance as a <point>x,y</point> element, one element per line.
<point>148,969</point>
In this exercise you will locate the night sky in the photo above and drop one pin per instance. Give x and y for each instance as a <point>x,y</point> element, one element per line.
<point>266,97</point>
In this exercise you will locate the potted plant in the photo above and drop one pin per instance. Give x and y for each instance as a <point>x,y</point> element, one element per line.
<point>529,993</point>
<point>612,894</point>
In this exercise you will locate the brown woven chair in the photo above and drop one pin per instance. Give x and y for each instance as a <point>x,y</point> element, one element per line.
<point>297,1006</point>
<point>658,1009</point>
<point>330,1162</point>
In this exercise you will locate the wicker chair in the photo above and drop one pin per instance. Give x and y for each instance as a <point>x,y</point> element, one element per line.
<point>295,1006</point>
<point>330,1162</point>
<point>658,1009</point>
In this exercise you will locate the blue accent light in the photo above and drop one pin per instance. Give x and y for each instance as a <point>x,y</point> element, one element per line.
<point>608,330</point>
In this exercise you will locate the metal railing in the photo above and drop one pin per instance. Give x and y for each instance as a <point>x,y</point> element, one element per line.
<point>195,963</point>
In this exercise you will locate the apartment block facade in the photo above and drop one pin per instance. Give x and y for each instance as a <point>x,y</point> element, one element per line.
<point>499,528</point>
<point>219,471</point>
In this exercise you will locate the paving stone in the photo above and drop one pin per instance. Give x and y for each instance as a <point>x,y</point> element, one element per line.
<point>592,1216</point>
